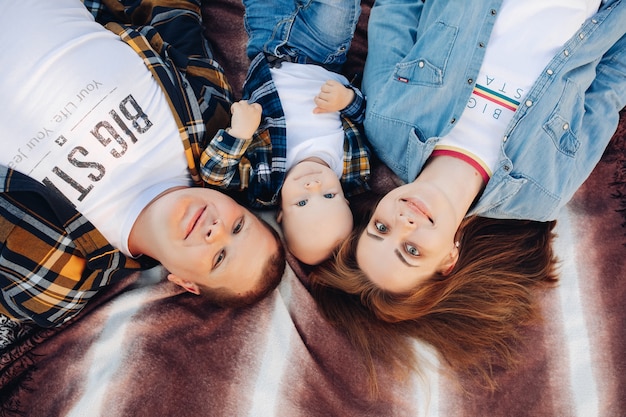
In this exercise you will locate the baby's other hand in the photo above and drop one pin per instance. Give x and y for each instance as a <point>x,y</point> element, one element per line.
<point>245,119</point>
<point>333,96</point>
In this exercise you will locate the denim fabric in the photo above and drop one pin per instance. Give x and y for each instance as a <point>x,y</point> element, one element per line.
<point>305,31</point>
<point>423,58</point>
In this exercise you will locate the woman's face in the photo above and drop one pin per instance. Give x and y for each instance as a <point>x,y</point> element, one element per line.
<point>409,237</point>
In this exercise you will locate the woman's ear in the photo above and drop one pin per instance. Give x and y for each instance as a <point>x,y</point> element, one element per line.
<point>189,286</point>
<point>451,260</point>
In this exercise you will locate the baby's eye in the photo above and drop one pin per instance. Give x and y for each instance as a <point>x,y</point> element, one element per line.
<point>301,203</point>
<point>238,226</point>
<point>329,195</point>
<point>411,250</point>
<point>381,227</point>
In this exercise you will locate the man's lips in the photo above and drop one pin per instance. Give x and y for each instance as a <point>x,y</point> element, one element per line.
<point>195,219</point>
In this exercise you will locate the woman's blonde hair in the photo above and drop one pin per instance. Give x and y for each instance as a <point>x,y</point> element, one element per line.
<point>473,317</point>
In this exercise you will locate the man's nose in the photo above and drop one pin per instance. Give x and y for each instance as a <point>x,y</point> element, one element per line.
<point>216,231</point>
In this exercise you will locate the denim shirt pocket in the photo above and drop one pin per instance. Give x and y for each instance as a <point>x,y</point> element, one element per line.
<point>427,61</point>
<point>565,120</point>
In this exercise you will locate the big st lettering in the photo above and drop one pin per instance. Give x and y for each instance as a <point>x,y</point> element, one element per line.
<point>114,134</point>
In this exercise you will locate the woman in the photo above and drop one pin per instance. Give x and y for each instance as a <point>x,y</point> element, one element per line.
<point>503,108</point>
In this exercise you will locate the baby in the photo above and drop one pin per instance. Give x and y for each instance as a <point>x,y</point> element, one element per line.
<point>294,139</point>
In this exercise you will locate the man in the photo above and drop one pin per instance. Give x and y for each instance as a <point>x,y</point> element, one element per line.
<point>102,137</point>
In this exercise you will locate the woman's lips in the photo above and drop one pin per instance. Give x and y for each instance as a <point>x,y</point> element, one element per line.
<point>418,207</point>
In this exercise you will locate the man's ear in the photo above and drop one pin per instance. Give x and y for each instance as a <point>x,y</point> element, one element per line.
<point>452,259</point>
<point>279,216</point>
<point>192,287</point>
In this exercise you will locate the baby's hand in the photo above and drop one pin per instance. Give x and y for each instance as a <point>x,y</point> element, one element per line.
<point>333,96</point>
<point>245,119</point>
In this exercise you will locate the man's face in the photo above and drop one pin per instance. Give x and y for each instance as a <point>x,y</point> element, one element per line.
<point>203,237</point>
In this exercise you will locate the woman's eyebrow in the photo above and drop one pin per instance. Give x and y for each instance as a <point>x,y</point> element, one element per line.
<point>404,261</point>
<point>373,236</point>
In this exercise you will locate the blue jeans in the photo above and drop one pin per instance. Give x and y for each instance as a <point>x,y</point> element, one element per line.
<point>303,31</point>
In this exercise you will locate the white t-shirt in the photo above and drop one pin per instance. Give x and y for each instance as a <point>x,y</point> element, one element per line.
<point>309,135</point>
<point>83,112</point>
<point>513,61</point>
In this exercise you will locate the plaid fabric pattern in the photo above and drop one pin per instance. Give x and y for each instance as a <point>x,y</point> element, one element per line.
<point>52,259</point>
<point>260,164</point>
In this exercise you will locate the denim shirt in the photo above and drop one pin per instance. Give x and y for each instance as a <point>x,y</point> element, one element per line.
<point>417,90</point>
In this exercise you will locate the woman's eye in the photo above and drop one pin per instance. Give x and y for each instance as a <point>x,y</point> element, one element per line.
<point>411,250</point>
<point>238,226</point>
<point>381,227</point>
<point>329,195</point>
<point>301,203</point>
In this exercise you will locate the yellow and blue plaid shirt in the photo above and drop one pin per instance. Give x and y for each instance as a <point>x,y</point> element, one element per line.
<point>260,165</point>
<point>52,259</point>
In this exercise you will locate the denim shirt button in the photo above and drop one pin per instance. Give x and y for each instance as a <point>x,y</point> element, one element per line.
<point>470,80</point>
<point>507,168</point>
<point>594,21</point>
<point>550,72</point>
<point>220,138</point>
<point>505,138</point>
<point>481,44</point>
<point>581,35</point>
<point>421,64</point>
<point>529,103</point>
<point>453,121</point>
<point>566,52</point>
<point>493,12</point>
<point>566,126</point>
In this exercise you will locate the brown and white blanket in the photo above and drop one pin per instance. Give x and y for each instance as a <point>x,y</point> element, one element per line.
<point>144,348</point>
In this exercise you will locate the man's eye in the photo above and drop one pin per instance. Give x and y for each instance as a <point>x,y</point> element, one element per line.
<point>329,195</point>
<point>301,203</point>
<point>219,258</point>
<point>411,250</point>
<point>381,227</point>
<point>238,226</point>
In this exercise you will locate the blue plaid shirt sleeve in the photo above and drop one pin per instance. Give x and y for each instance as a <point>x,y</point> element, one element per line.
<point>355,110</point>
<point>221,160</point>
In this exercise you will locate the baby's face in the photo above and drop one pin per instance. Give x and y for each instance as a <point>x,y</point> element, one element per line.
<point>315,215</point>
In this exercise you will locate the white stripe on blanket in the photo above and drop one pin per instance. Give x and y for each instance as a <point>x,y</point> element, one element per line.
<point>108,353</point>
<point>278,342</point>
<point>583,384</point>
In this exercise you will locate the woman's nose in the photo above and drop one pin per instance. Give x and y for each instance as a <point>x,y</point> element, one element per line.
<point>406,220</point>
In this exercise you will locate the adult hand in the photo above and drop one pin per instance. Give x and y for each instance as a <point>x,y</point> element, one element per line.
<point>245,120</point>
<point>333,96</point>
